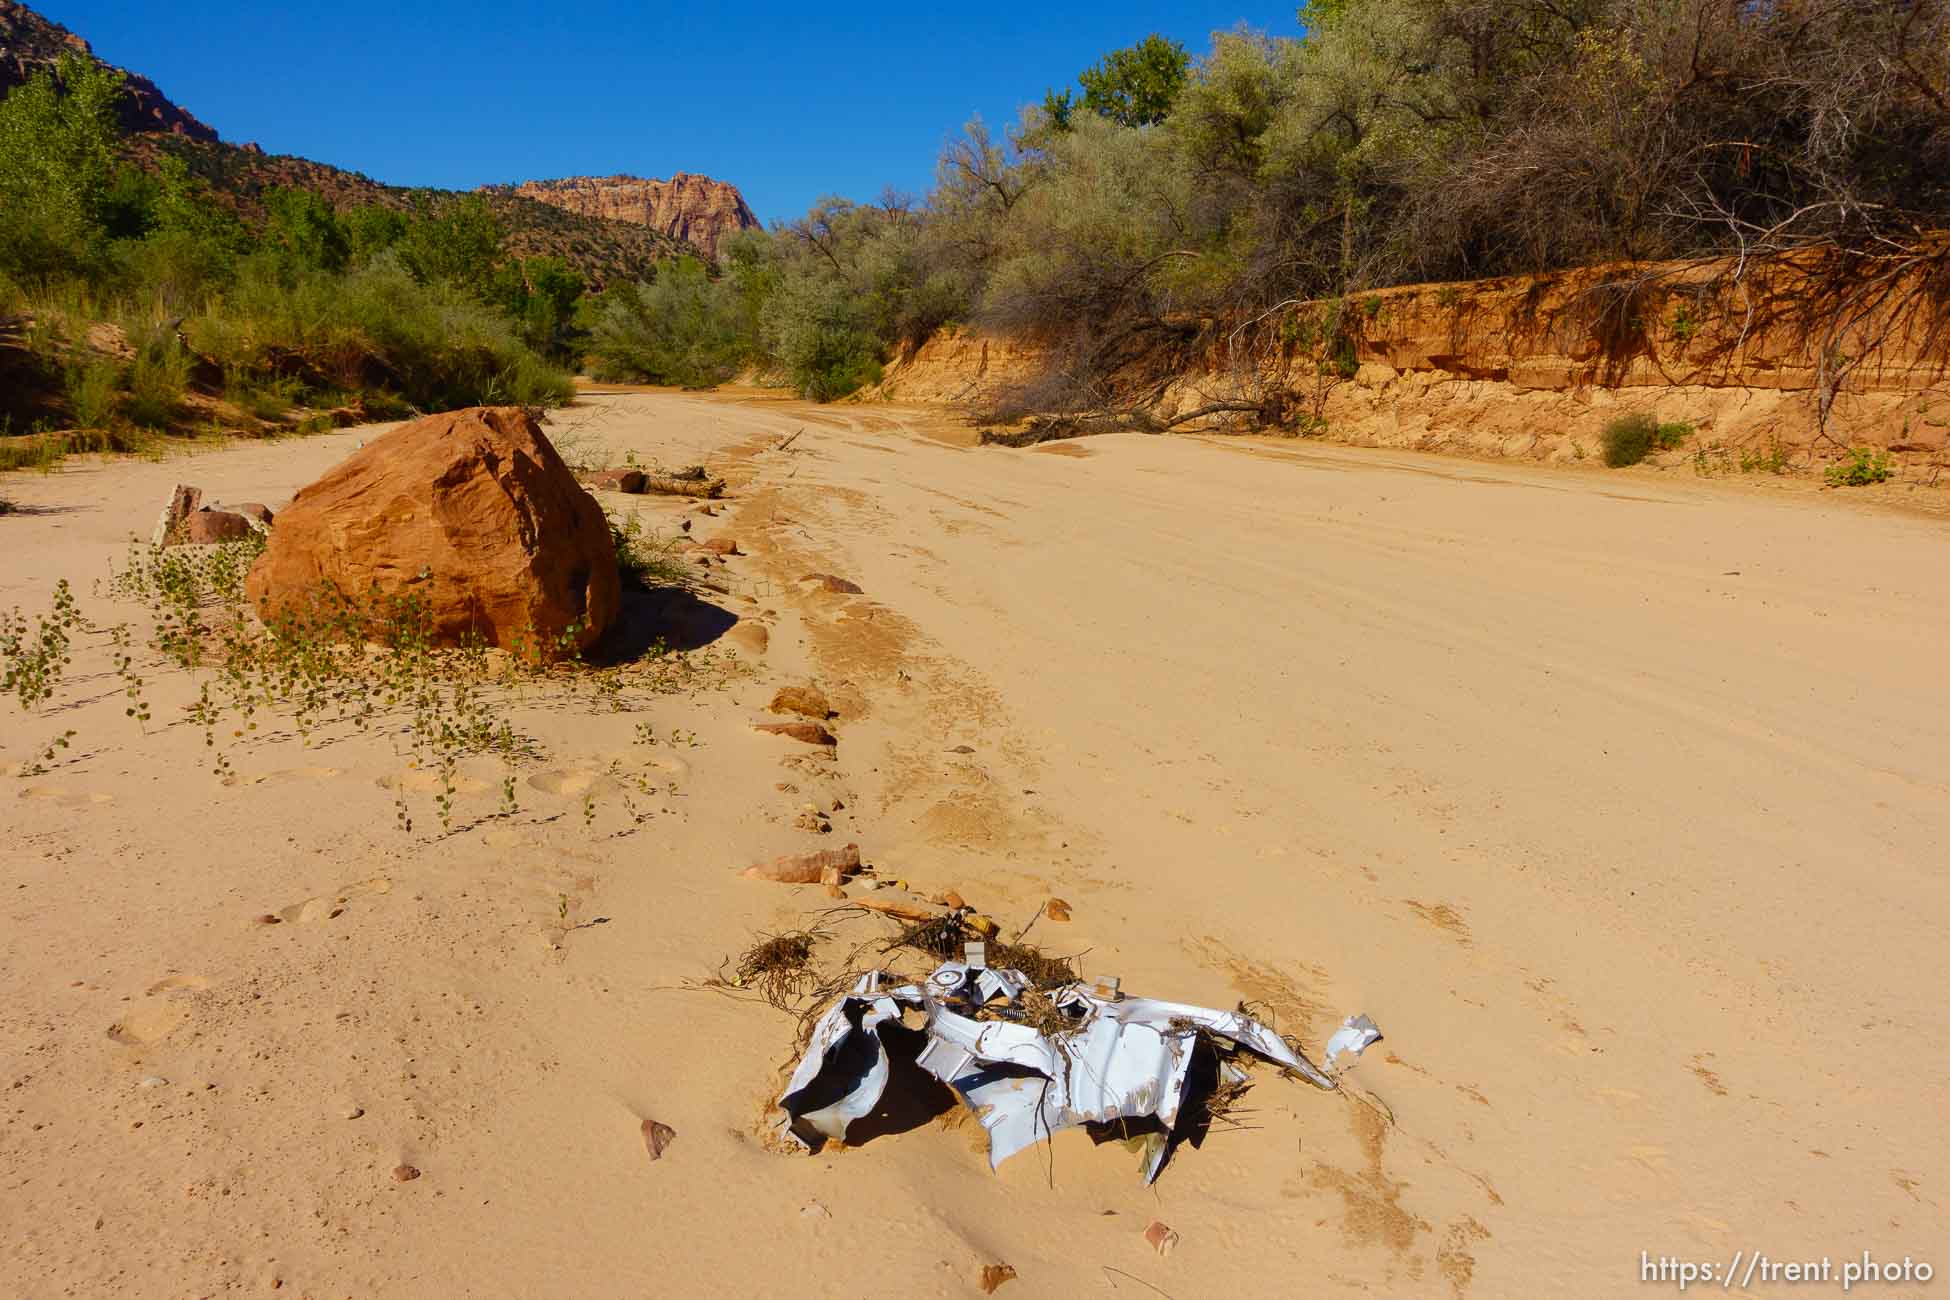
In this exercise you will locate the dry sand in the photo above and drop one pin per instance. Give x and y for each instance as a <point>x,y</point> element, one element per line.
<point>1618,800</point>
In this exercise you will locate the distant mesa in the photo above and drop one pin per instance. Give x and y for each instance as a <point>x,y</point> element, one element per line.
<point>696,209</point>
<point>29,43</point>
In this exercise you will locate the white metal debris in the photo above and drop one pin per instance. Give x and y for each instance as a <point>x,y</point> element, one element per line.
<point>1354,1035</point>
<point>1122,1058</point>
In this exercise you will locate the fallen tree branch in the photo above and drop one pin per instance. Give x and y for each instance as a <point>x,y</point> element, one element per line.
<point>671,485</point>
<point>1138,419</point>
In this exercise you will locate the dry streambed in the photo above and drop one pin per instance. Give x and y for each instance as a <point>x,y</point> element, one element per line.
<point>348,969</point>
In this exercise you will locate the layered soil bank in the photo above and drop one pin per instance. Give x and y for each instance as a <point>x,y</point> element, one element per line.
<point>1805,356</point>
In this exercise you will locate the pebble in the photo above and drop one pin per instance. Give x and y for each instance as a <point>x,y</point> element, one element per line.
<point>405,1173</point>
<point>1056,910</point>
<point>151,1081</point>
<point>354,1112</point>
<point>657,1137</point>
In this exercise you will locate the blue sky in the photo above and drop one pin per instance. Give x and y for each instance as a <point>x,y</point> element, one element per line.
<point>787,101</point>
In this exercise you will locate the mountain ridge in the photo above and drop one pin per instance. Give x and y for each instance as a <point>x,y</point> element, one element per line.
<point>607,241</point>
<point>30,42</point>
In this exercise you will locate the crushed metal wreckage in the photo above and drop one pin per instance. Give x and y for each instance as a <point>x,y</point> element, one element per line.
<point>1093,1056</point>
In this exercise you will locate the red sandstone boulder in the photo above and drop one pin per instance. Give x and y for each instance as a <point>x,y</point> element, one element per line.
<point>473,513</point>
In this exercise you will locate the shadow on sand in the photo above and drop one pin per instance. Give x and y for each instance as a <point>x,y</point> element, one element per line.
<point>671,615</point>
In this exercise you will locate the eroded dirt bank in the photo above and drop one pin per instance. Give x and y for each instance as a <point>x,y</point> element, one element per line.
<point>1618,803</point>
<point>1774,367</point>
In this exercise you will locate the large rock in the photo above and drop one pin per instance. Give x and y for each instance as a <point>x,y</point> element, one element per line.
<point>473,512</point>
<point>688,207</point>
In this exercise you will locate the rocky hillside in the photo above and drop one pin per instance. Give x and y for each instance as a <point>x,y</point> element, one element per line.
<point>29,42</point>
<point>695,209</point>
<point>603,250</point>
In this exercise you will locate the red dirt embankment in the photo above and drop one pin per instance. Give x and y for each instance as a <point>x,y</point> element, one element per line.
<point>1535,366</point>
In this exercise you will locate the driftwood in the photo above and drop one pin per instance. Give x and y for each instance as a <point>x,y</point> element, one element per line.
<point>903,911</point>
<point>1053,428</point>
<point>683,486</point>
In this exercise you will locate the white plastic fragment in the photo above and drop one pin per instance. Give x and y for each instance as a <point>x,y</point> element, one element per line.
<point>1124,1058</point>
<point>1354,1036</point>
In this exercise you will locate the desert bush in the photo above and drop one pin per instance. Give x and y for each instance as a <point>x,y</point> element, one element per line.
<point>158,377</point>
<point>680,328</point>
<point>1862,468</point>
<point>376,329</point>
<point>818,334</point>
<point>92,385</point>
<point>643,560</point>
<point>1629,439</point>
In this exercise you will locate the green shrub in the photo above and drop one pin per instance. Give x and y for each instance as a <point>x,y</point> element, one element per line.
<point>680,328</point>
<point>641,560</point>
<point>265,398</point>
<point>91,386</point>
<point>1672,434</point>
<point>158,378</point>
<point>1629,439</point>
<point>1772,460</point>
<point>1862,468</point>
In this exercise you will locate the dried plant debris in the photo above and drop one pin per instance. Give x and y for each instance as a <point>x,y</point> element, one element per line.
<point>939,937</point>
<point>944,937</point>
<point>779,968</point>
<point>1029,1061</point>
<point>1043,970</point>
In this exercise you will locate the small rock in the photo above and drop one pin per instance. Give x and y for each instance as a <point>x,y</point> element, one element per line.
<point>1056,910</point>
<point>151,1081</point>
<point>828,866</point>
<point>207,526</point>
<point>404,1173</point>
<point>962,749</point>
<point>993,1276</point>
<point>255,511</point>
<point>722,546</point>
<point>270,918</point>
<point>811,733</point>
<point>814,1210</point>
<point>353,1112</point>
<point>838,805</point>
<point>953,900</point>
<point>750,636</point>
<point>806,701</point>
<point>657,1137</point>
<point>830,582</point>
<point>1161,1237</point>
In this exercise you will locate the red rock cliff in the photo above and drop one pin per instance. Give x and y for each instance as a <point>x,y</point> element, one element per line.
<point>693,208</point>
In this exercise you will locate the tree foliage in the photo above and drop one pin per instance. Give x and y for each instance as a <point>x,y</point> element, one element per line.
<point>1392,141</point>
<point>1135,86</point>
